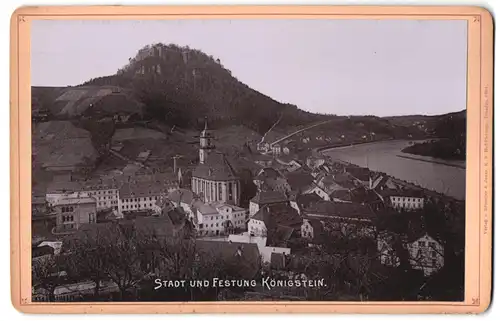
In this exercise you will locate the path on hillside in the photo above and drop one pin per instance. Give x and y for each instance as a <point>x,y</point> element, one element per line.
<point>299,131</point>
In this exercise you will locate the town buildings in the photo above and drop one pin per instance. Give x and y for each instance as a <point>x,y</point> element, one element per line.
<point>421,251</point>
<point>266,198</point>
<point>74,211</point>
<point>404,199</point>
<point>219,218</point>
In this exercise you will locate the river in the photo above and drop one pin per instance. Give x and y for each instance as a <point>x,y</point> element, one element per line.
<point>386,156</point>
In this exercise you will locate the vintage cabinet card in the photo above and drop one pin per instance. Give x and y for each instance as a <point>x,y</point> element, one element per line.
<point>251,159</point>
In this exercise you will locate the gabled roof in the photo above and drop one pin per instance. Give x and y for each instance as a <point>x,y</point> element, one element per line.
<point>362,195</point>
<point>268,173</point>
<point>360,173</point>
<point>305,200</point>
<point>299,180</point>
<point>335,209</point>
<point>403,193</point>
<point>278,214</point>
<point>343,195</point>
<point>216,168</point>
<point>269,197</point>
<point>344,180</point>
<point>142,189</point>
<point>206,209</point>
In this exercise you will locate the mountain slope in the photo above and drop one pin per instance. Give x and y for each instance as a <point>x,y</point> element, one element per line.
<point>182,86</point>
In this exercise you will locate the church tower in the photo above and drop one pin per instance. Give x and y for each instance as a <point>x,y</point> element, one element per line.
<point>206,143</point>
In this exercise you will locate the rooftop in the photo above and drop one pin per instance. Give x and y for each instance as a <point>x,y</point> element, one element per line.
<point>181,195</point>
<point>335,209</point>
<point>216,168</point>
<point>269,197</point>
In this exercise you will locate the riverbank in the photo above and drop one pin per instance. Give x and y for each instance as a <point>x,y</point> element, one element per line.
<point>334,146</point>
<point>384,157</point>
<point>432,160</point>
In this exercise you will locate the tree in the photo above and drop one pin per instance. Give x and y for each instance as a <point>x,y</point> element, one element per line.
<point>123,258</point>
<point>86,255</point>
<point>47,273</point>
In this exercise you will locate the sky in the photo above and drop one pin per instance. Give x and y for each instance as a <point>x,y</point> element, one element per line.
<point>343,67</point>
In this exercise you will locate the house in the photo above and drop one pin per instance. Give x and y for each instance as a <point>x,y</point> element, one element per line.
<point>276,149</point>
<point>422,251</point>
<point>265,251</point>
<point>270,179</point>
<point>43,218</point>
<point>327,186</point>
<point>277,221</point>
<point>263,160</point>
<point>407,200</point>
<point>290,147</point>
<point>426,253</point>
<point>312,230</point>
<point>215,219</point>
<point>314,162</point>
<point>368,197</point>
<point>289,163</point>
<point>74,211</point>
<point>266,198</point>
<point>60,189</point>
<point>343,219</point>
<point>360,174</point>
<point>105,192</point>
<point>299,181</point>
<point>300,202</point>
<point>380,182</point>
<point>137,196</point>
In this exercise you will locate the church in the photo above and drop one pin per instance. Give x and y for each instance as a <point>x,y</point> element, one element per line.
<point>214,178</point>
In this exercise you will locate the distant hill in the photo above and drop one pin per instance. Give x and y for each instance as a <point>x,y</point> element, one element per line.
<point>428,124</point>
<point>183,85</point>
<point>451,128</point>
<point>178,86</point>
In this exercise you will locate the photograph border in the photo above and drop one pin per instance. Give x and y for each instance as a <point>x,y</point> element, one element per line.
<point>479,186</point>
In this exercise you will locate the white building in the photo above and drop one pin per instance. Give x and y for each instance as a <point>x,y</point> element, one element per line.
<point>261,241</point>
<point>137,196</point>
<point>218,218</point>
<point>266,198</point>
<point>104,191</point>
<point>72,212</point>
<point>404,199</point>
<point>425,252</point>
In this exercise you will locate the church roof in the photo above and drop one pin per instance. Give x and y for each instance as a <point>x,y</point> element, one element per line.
<point>216,168</point>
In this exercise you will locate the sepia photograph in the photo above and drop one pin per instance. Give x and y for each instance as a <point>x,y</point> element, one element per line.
<point>256,159</point>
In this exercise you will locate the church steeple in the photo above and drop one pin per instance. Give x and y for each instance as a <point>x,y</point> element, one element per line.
<point>206,144</point>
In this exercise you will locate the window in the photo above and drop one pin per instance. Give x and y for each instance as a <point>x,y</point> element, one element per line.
<point>433,253</point>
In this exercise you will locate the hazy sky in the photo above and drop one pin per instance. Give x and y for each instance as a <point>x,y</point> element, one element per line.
<point>379,67</point>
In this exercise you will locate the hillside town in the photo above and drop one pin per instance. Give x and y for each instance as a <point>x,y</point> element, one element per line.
<point>295,215</point>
